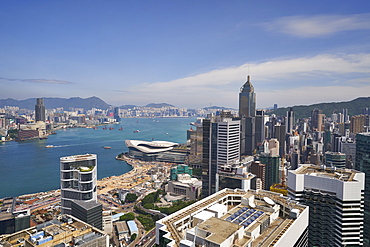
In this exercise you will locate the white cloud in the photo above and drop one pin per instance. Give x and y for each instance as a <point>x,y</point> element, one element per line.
<point>320,78</point>
<point>320,25</point>
<point>48,81</point>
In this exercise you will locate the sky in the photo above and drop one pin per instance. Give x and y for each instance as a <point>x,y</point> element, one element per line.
<point>189,54</point>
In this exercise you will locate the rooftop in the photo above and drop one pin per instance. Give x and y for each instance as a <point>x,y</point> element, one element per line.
<point>322,171</point>
<point>151,147</point>
<point>218,229</point>
<point>55,232</point>
<point>255,208</point>
<point>80,157</point>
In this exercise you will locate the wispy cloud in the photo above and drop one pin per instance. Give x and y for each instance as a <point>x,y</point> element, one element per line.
<point>48,81</point>
<point>320,25</point>
<point>275,81</point>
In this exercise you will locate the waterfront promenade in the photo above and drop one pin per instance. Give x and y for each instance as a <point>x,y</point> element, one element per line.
<point>129,180</point>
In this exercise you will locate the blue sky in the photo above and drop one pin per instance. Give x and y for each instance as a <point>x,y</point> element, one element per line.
<point>187,53</point>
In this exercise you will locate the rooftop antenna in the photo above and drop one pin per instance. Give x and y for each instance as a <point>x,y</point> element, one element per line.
<point>248,73</point>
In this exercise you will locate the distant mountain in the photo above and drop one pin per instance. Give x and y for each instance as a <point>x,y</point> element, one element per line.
<point>217,107</point>
<point>160,105</point>
<point>52,103</point>
<point>355,107</point>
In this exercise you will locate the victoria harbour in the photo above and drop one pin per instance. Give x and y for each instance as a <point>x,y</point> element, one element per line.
<point>29,167</point>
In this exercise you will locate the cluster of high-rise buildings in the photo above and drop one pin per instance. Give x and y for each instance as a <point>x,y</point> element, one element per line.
<point>321,162</point>
<point>266,180</point>
<point>12,117</point>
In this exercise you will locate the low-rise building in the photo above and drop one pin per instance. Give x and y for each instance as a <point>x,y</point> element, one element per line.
<point>186,187</point>
<point>236,218</point>
<point>132,227</point>
<point>64,231</point>
<point>11,221</point>
<point>122,230</point>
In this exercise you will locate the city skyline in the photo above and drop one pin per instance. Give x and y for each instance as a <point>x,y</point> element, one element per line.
<point>186,54</point>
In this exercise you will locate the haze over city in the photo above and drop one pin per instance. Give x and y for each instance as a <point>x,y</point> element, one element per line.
<point>189,54</point>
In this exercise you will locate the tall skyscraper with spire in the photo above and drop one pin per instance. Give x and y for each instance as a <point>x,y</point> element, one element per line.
<point>247,100</point>
<point>247,113</point>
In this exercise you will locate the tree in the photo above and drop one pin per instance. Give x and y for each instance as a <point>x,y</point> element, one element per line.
<point>130,197</point>
<point>126,217</point>
<point>133,237</point>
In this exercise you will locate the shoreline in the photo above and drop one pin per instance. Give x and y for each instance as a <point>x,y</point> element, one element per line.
<point>111,182</point>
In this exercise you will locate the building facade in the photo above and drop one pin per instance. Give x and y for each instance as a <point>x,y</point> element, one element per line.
<point>336,200</point>
<point>363,164</point>
<point>78,175</point>
<point>89,212</point>
<point>247,100</point>
<point>221,146</point>
<point>40,110</point>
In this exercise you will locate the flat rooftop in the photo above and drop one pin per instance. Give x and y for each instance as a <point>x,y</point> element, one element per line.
<point>80,157</point>
<point>219,229</point>
<point>254,209</point>
<point>53,232</point>
<point>321,171</point>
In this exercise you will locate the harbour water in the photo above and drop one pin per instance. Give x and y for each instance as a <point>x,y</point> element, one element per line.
<point>28,167</point>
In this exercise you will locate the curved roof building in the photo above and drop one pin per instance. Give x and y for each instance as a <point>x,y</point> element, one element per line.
<point>151,147</point>
<point>155,151</point>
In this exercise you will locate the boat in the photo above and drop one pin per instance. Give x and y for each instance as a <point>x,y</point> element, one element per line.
<point>110,128</point>
<point>120,128</point>
<point>49,146</point>
<point>107,147</point>
<point>136,131</point>
<point>43,138</point>
<point>104,128</point>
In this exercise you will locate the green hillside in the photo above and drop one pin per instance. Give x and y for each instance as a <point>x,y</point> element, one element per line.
<point>355,107</point>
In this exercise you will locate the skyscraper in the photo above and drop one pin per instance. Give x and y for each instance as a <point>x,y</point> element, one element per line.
<point>363,164</point>
<point>315,118</point>
<point>78,176</point>
<point>247,135</point>
<point>221,146</point>
<point>290,121</point>
<point>335,200</point>
<point>247,100</point>
<point>260,126</point>
<point>117,114</point>
<point>272,169</point>
<point>40,110</point>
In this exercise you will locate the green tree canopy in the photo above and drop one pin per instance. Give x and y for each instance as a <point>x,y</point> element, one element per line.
<point>133,237</point>
<point>126,217</point>
<point>130,197</point>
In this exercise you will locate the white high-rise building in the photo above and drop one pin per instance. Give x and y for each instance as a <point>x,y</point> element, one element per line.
<point>336,201</point>
<point>228,142</point>
<point>221,146</point>
<point>78,176</point>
